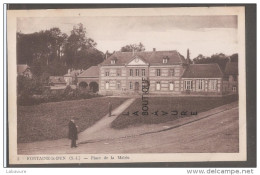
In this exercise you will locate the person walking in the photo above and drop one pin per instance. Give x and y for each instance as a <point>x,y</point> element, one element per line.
<point>73,133</point>
<point>109,109</point>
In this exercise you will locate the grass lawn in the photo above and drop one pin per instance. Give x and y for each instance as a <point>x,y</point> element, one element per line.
<point>168,104</point>
<point>50,120</point>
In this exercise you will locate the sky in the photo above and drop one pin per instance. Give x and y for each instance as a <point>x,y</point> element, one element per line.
<point>204,35</point>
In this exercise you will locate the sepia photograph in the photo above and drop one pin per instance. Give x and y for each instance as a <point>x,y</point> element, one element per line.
<point>126,85</point>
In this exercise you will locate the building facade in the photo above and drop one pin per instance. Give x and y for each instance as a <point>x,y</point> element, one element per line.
<point>165,72</point>
<point>231,77</point>
<point>202,79</point>
<point>89,79</point>
<point>124,72</point>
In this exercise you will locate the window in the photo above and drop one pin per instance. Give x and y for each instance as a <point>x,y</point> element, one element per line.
<point>136,72</point>
<point>188,84</point>
<point>118,72</point>
<point>131,72</point>
<point>107,85</point>
<point>165,60</point>
<point>200,84</point>
<point>143,72</point>
<point>172,72</point>
<point>158,86</point>
<point>130,85</point>
<point>107,73</point>
<point>158,72</point>
<point>213,84</point>
<point>234,88</point>
<point>113,61</point>
<point>118,85</point>
<point>171,86</point>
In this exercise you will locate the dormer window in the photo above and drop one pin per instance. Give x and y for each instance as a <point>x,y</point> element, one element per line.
<point>113,61</point>
<point>165,60</point>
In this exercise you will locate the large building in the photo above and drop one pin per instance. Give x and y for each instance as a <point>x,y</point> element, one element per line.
<point>167,72</point>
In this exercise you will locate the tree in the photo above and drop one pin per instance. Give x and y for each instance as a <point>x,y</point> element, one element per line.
<point>221,59</point>
<point>27,86</point>
<point>45,45</point>
<point>52,52</point>
<point>88,58</point>
<point>80,49</point>
<point>133,47</point>
<point>234,57</point>
<point>57,41</point>
<point>41,50</point>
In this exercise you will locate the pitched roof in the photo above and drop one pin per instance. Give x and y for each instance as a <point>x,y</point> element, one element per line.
<point>151,57</point>
<point>203,71</point>
<point>231,68</point>
<point>93,71</point>
<point>21,68</point>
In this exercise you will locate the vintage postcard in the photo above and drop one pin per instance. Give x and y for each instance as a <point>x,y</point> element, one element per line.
<point>126,85</point>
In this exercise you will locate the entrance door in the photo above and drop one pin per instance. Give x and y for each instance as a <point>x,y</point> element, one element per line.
<point>136,86</point>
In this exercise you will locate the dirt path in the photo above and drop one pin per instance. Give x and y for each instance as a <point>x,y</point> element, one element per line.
<point>63,144</point>
<point>218,133</point>
<point>105,122</point>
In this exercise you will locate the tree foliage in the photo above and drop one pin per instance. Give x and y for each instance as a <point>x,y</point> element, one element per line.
<point>27,86</point>
<point>80,49</point>
<point>53,52</point>
<point>234,57</point>
<point>133,47</point>
<point>221,59</point>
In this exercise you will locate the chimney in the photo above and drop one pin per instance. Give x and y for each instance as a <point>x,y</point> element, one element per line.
<point>154,49</point>
<point>68,71</point>
<point>188,54</point>
<point>188,57</point>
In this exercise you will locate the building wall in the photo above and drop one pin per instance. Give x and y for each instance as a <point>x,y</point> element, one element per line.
<point>225,87</point>
<point>212,86</point>
<point>87,80</point>
<point>166,82</point>
<point>119,80</point>
<point>233,84</point>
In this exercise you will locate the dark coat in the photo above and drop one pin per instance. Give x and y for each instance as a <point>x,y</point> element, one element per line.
<point>110,107</point>
<point>73,131</point>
